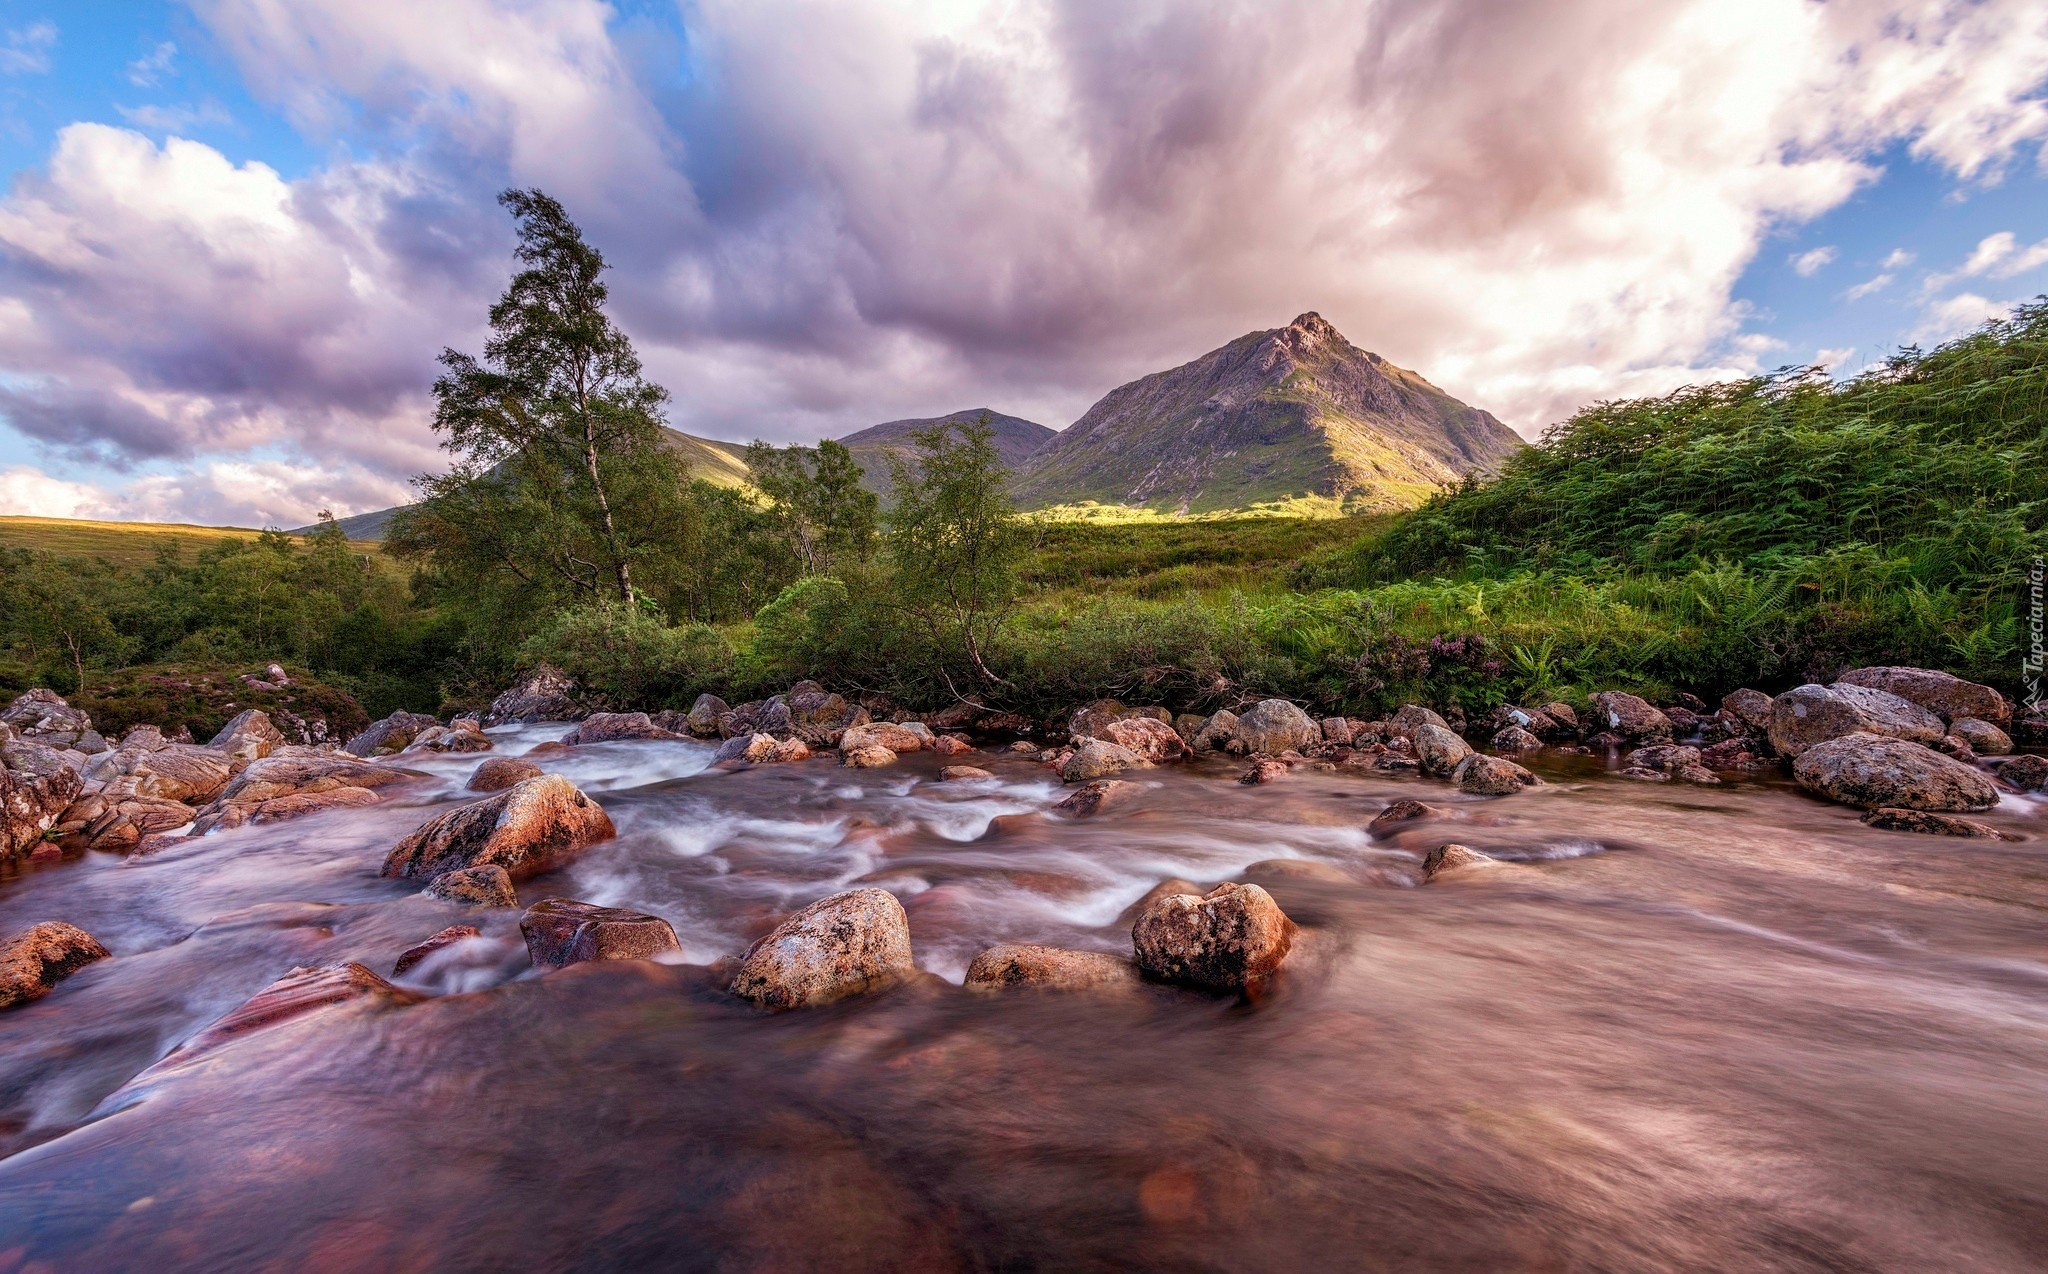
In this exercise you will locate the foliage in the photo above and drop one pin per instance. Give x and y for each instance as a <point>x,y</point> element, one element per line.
<point>629,657</point>
<point>816,505</point>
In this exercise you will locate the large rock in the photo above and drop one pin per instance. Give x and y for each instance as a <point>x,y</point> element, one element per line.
<point>1984,738</point>
<point>1402,724</point>
<point>1215,731</point>
<point>1874,771</point>
<point>1095,796</point>
<point>1946,696</point>
<point>1483,775</point>
<point>527,830</point>
<point>887,734</point>
<point>838,946</point>
<point>30,805</point>
<point>1099,759</point>
<point>872,757</point>
<point>460,735</point>
<point>118,824</point>
<point>500,772</point>
<point>562,931</point>
<point>1233,939</point>
<point>750,749</point>
<point>702,720</point>
<point>1749,708</point>
<point>1453,859</point>
<point>43,717</point>
<point>394,733</point>
<point>1930,824</point>
<point>1631,717</point>
<point>2026,773</point>
<point>1273,726</point>
<point>1049,968</point>
<point>1514,738</point>
<point>33,962</point>
<point>819,717</point>
<point>1086,722</point>
<point>278,787</point>
<point>1438,748</point>
<point>486,886</point>
<point>419,953</point>
<point>176,772</point>
<point>609,727</point>
<point>544,694</point>
<point>1810,714</point>
<point>248,736</point>
<point>1151,740</point>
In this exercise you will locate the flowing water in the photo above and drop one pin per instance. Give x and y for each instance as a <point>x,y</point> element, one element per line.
<point>1692,1029</point>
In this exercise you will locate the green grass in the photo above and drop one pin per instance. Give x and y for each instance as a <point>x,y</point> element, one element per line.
<point>1160,557</point>
<point>127,544</point>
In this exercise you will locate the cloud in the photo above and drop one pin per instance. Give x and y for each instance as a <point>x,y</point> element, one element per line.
<point>1896,259</point>
<point>27,492</point>
<point>26,50</point>
<point>176,119</point>
<point>1833,359</point>
<point>836,214</point>
<point>1869,286</point>
<point>150,69</point>
<point>1949,318</point>
<point>1807,264</point>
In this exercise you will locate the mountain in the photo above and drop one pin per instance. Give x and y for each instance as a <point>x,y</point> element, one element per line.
<point>1296,411</point>
<point>1016,440</point>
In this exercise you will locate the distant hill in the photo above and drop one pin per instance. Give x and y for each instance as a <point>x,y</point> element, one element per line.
<point>1016,440</point>
<point>130,543</point>
<point>1274,415</point>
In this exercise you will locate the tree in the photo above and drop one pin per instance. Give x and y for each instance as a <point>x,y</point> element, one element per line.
<point>955,539</point>
<point>817,502</point>
<point>563,488</point>
<point>52,610</point>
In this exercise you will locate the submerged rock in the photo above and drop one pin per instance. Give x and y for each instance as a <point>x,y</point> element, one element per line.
<point>526,829</point>
<point>842,945</point>
<point>500,772</point>
<point>486,886</point>
<point>1484,775</point>
<point>1811,714</point>
<point>563,931</point>
<point>1903,820</point>
<point>1274,726</point>
<point>414,955</point>
<point>1438,749</point>
<point>1948,697</point>
<point>1453,859</point>
<point>609,727</point>
<point>1232,939</point>
<point>1095,796</point>
<point>1875,772</point>
<point>306,989</point>
<point>1049,968</point>
<point>959,773</point>
<point>33,962</point>
<point>1401,813</point>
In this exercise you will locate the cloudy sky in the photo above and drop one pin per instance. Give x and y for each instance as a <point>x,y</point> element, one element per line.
<point>237,232</point>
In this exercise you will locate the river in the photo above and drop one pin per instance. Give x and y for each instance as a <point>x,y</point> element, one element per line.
<point>1690,1029</point>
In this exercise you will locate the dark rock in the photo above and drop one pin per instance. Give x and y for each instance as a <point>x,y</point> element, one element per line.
<point>486,886</point>
<point>1948,697</point>
<point>1903,820</point>
<point>1400,813</point>
<point>393,734</point>
<point>412,956</point>
<point>1336,732</point>
<point>1810,714</point>
<point>704,714</point>
<point>1274,726</point>
<point>1514,738</point>
<point>1215,732</point>
<point>33,962</point>
<point>608,727</point>
<point>562,931</point>
<point>500,772</point>
<point>1263,769</point>
<point>526,829</point>
<point>1735,754</point>
<point>2024,773</point>
<point>1563,714</point>
<point>1630,717</point>
<point>1095,796</point>
<point>1685,723</point>
<point>1483,775</point>
<point>1232,939</point>
<point>544,694</point>
<point>842,945</point>
<point>1984,738</point>
<point>1750,707</point>
<point>1049,968</point>
<point>1667,757</point>
<point>1877,772</point>
<point>1452,859</point>
<point>1438,749</point>
<point>747,749</point>
<point>821,718</point>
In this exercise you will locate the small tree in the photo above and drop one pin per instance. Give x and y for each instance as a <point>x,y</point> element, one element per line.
<point>817,502</point>
<point>562,481</point>
<point>955,540</point>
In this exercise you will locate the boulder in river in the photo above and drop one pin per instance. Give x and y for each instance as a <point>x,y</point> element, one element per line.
<point>1454,859</point>
<point>42,716</point>
<point>1097,759</point>
<point>873,756</point>
<point>1153,741</point>
<point>1513,738</point>
<point>277,787</point>
<point>1984,738</point>
<point>1403,723</point>
<point>500,772</point>
<point>1810,714</point>
<point>486,886</point>
<point>544,694</point>
<point>1631,717</point>
<point>962,773</point>
<point>842,945</point>
<point>1666,758</point>
<point>563,931</point>
<point>33,962</point>
<point>1095,796</point>
<point>1273,726</point>
<point>610,727</point>
<point>1216,730</point>
<point>1400,814</point>
<point>526,829</point>
<point>951,745</point>
<point>747,749</point>
<point>1875,772</point>
<point>1438,749</point>
<point>1948,697</point>
<point>1048,968</point>
<point>1931,824</point>
<point>2026,773</point>
<point>248,736</point>
<point>1483,775</point>
<point>30,804</point>
<point>704,714</point>
<point>176,771</point>
<point>1750,709</point>
<point>1232,939</point>
<point>892,735</point>
<point>416,954</point>
<point>394,733</point>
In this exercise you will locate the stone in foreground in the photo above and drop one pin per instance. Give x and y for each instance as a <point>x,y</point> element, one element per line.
<point>526,829</point>
<point>1275,726</point>
<point>1948,697</point>
<point>838,946</point>
<point>413,956</point>
<point>33,962</point>
<point>1048,968</point>
<point>1234,939</point>
<point>1875,772</point>
<point>1898,820</point>
<point>563,931</point>
<point>1439,749</point>
<point>1453,859</point>
<point>1806,715</point>
<point>486,886</point>
<point>1094,797</point>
